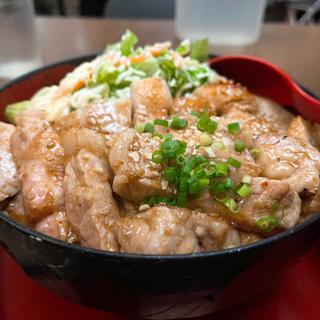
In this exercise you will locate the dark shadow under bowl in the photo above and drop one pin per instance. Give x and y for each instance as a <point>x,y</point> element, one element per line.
<point>157,287</point>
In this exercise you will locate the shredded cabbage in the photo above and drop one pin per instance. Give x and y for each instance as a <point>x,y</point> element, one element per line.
<point>128,40</point>
<point>110,75</point>
<point>86,95</point>
<point>200,50</point>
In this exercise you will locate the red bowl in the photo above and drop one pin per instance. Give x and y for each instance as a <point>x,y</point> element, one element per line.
<point>151,286</point>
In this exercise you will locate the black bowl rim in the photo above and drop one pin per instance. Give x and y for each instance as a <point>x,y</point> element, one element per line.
<point>117,255</point>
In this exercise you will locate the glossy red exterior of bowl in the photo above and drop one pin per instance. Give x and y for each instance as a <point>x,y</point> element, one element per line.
<point>157,287</point>
<point>296,297</point>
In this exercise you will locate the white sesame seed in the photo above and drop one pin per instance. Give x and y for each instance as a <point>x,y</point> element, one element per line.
<point>148,155</point>
<point>134,156</point>
<point>144,207</point>
<point>164,184</point>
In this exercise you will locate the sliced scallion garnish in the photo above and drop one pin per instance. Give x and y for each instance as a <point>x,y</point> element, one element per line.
<point>239,145</point>
<point>244,190</point>
<point>234,163</point>
<point>205,139</point>
<point>223,186</point>
<point>156,134</point>
<point>171,174</point>
<point>139,127</point>
<point>149,127</point>
<point>216,144</point>
<point>172,148</point>
<point>161,122</point>
<point>222,169</point>
<point>157,157</point>
<point>178,123</point>
<point>255,152</point>
<point>231,204</point>
<point>180,159</point>
<point>267,223</point>
<point>234,128</point>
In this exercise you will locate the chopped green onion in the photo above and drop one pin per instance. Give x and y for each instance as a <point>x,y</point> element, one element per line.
<point>170,174</point>
<point>194,186</point>
<point>209,169</point>
<point>169,200</point>
<point>234,163</point>
<point>246,179</point>
<point>161,122</point>
<point>228,183</point>
<point>157,157</point>
<point>212,126</point>
<point>180,159</point>
<point>198,172</point>
<point>128,40</point>
<point>222,169</point>
<point>239,145</point>
<point>181,199</point>
<point>231,205</point>
<point>156,134</point>
<point>184,184</point>
<point>267,223</point>
<point>139,127</point>
<point>234,128</point>
<point>204,182</point>
<point>205,124</point>
<point>149,127</point>
<point>218,187</point>
<point>255,152</point>
<point>195,113</point>
<point>222,199</point>
<point>197,185</point>
<point>152,201</point>
<point>205,139</point>
<point>244,190</point>
<point>178,123</point>
<point>221,187</point>
<point>171,149</point>
<point>193,162</point>
<point>218,145</point>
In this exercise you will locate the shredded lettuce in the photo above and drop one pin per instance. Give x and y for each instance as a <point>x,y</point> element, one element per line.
<point>107,73</point>
<point>181,68</point>
<point>89,94</point>
<point>184,47</point>
<point>149,66</point>
<point>117,78</point>
<point>110,75</point>
<point>200,50</point>
<point>128,40</point>
<point>184,80</point>
<point>13,109</point>
<point>46,99</point>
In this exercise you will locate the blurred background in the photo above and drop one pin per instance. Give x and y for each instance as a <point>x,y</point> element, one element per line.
<point>291,11</point>
<point>231,26</point>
